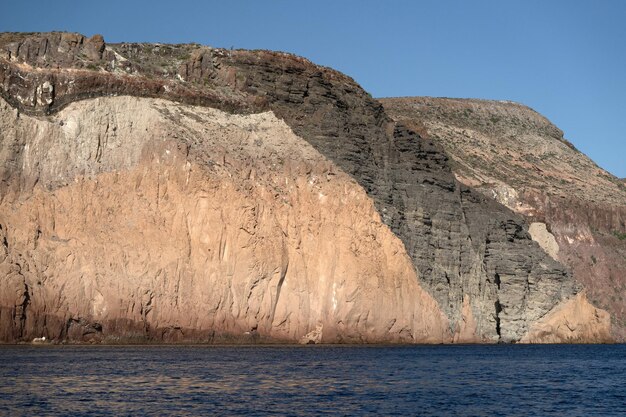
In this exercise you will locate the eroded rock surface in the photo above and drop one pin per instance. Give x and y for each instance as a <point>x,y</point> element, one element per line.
<point>516,156</point>
<point>472,255</point>
<point>133,218</point>
<point>574,321</point>
<point>540,234</point>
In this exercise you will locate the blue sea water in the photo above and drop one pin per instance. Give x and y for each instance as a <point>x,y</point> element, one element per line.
<point>502,380</point>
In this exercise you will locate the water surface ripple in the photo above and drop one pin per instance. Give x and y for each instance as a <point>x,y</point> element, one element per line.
<point>504,380</point>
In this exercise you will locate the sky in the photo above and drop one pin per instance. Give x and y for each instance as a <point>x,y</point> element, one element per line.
<point>564,58</point>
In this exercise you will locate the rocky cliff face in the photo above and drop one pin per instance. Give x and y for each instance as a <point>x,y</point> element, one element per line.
<point>514,155</point>
<point>143,218</point>
<point>140,218</point>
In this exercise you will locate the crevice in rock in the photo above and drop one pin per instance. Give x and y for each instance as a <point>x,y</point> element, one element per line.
<point>281,280</point>
<point>22,310</point>
<point>498,308</point>
<point>145,310</point>
<point>68,324</point>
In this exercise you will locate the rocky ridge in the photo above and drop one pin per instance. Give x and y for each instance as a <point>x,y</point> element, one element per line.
<point>516,156</point>
<point>474,256</point>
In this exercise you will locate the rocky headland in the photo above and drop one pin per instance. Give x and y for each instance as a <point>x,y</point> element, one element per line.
<point>182,193</point>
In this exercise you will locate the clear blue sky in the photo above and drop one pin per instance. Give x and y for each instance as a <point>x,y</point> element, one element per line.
<point>566,59</point>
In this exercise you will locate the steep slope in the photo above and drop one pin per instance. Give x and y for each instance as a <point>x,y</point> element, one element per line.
<point>134,218</point>
<point>474,256</point>
<point>516,156</point>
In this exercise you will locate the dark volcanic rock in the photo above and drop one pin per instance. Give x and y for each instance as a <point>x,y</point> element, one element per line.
<point>513,154</point>
<point>465,245</point>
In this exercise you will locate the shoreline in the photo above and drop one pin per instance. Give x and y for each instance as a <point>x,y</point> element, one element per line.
<point>281,344</point>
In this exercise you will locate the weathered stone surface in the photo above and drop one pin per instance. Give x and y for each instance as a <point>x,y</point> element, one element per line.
<point>573,321</point>
<point>459,241</point>
<point>139,219</point>
<point>540,234</point>
<point>472,254</point>
<point>516,156</point>
<point>69,64</point>
<point>464,244</point>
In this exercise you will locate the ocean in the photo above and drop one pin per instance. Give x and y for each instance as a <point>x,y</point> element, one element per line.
<point>456,380</point>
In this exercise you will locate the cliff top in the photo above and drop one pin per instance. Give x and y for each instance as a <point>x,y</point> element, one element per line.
<point>190,73</point>
<point>501,142</point>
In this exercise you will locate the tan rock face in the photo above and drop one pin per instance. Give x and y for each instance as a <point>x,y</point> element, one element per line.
<point>467,328</point>
<point>126,218</point>
<point>574,321</point>
<point>540,234</point>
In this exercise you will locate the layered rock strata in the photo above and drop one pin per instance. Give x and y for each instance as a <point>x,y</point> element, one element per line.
<point>473,256</point>
<point>514,155</point>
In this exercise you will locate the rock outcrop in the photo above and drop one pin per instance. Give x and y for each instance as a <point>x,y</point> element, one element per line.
<point>133,218</point>
<point>514,155</point>
<point>189,223</point>
<point>574,321</point>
